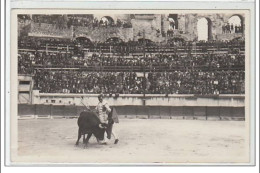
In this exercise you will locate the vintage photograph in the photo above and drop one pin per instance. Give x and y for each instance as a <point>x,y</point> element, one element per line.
<point>130,87</point>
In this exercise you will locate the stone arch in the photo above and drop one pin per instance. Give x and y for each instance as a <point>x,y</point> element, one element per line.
<point>83,40</point>
<point>145,41</point>
<point>178,38</point>
<point>204,29</point>
<point>241,18</point>
<point>108,19</point>
<point>114,40</point>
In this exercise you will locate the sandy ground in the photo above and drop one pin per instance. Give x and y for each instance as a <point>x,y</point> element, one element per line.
<point>141,141</point>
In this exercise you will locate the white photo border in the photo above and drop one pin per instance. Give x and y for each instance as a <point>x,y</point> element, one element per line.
<point>130,5</point>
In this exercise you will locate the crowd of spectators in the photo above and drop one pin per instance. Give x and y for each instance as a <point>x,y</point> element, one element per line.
<point>189,80</point>
<point>46,60</point>
<point>177,73</point>
<point>197,82</point>
<point>34,43</point>
<point>116,45</point>
<point>80,82</point>
<point>230,28</point>
<point>171,67</point>
<point>178,82</point>
<point>210,61</point>
<point>223,44</point>
<point>207,61</point>
<point>25,63</point>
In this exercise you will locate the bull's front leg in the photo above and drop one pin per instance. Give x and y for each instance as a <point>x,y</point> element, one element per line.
<point>87,139</point>
<point>79,136</point>
<point>84,139</point>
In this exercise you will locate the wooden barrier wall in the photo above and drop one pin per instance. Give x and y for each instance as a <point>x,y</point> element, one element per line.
<point>163,112</point>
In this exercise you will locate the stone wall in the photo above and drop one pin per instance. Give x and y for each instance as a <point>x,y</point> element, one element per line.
<point>146,26</point>
<point>103,33</point>
<point>143,25</point>
<point>49,30</point>
<point>187,26</point>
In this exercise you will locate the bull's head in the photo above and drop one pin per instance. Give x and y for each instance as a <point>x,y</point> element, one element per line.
<point>99,133</point>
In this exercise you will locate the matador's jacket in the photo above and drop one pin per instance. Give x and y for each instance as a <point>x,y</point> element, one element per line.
<point>103,110</point>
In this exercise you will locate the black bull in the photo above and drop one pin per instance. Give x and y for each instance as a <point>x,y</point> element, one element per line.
<point>89,124</point>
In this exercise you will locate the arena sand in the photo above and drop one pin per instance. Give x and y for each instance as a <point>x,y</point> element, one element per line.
<point>141,141</point>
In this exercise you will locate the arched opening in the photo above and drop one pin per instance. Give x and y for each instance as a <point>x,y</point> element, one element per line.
<point>114,40</point>
<point>204,29</point>
<point>235,24</point>
<point>173,21</point>
<point>83,42</point>
<point>107,21</point>
<point>175,39</point>
<point>173,24</point>
<point>146,42</point>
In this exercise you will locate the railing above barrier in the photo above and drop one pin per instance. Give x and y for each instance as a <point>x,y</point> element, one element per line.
<point>152,68</point>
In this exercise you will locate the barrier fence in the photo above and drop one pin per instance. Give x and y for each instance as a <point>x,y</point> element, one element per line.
<point>145,112</point>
